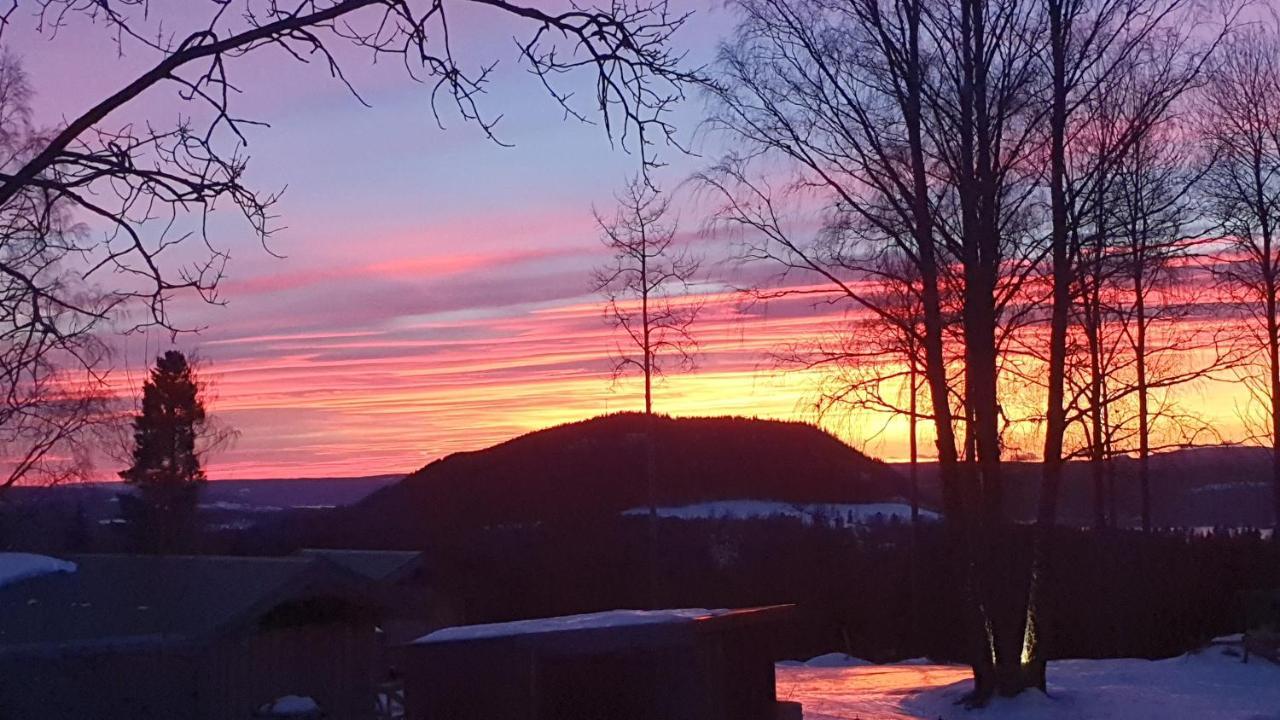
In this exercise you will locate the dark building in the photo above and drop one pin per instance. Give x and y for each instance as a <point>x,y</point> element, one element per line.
<point>409,604</point>
<point>199,638</point>
<point>391,567</point>
<point>621,665</point>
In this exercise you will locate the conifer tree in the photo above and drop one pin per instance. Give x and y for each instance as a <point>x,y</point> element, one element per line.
<point>166,466</point>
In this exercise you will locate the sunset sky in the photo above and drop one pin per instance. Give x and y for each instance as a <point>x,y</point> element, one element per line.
<point>435,291</point>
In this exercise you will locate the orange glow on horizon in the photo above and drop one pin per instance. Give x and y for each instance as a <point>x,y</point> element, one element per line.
<point>393,399</point>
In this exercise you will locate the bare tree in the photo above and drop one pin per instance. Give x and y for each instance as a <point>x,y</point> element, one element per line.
<point>872,365</point>
<point>104,203</point>
<point>1090,43</point>
<point>861,99</point>
<point>647,285</point>
<point>986,121</point>
<point>1158,289</point>
<point>1241,125</point>
<point>50,362</point>
<point>1127,192</point>
<point>871,376</point>
<point>134,178</point>
<point>944,133</point>
<point>792,90</point>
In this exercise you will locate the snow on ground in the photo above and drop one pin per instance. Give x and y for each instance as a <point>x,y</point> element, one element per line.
<point>290,705</point>
<point>857,513</point>
<point>836,660</point>
<point>1207,530</point>
<point>238,507</point>
<point>15,567</point>
<point>607,619</point>
<point>1206,686</point>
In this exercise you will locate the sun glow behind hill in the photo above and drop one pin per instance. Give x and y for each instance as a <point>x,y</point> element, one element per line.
<point>411,389</point>
<point>417,393</point>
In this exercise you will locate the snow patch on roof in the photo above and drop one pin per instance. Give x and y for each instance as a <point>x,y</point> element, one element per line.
<point>16,567</point>
<point>588,621</point>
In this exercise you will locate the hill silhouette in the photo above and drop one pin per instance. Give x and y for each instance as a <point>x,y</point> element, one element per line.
<point>596,467</point>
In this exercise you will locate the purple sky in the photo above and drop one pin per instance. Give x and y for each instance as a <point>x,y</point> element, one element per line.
<point>435,294</point>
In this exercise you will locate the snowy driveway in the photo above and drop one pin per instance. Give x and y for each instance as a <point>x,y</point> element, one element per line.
<point>862,693</point>
<point>1207,686</point>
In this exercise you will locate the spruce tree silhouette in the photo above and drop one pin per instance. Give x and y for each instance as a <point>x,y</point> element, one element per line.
<point>166,466</point>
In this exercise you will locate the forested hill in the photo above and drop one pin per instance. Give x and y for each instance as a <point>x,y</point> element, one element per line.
<point>598,467</point>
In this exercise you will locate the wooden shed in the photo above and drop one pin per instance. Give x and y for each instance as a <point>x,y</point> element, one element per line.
<point>199,638</point>
<point>620,665</point>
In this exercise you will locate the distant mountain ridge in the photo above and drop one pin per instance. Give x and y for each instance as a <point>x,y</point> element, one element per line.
<point>281,492</point>
<point>1223,486</point>
<point>597,467</point>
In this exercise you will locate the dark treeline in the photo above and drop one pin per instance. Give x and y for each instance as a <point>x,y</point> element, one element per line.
<point>870,592</point>
<point>879,592</point>
<point>1118,594</point>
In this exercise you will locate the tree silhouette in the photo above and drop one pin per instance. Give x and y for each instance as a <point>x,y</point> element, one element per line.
<point>873,366</point>
<point>952,135</point>
<point>907,160</point>
<point>645,283</point>
<point>51,390</point>
<point>166,466</point>
<point>1139,285</point>
<point>1241,121</point>
<point>128,175</point>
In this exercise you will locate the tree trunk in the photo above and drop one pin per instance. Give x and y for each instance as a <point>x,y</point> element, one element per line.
<point>1033,656</point>
<point>995,652</point>
<point>1144,411</point>
<point>651,479</point>
<point>1273,353</point>
<point>1095,326</point>
<point>1094,331</point>
<point>1271,284</point>
<point>1112,510</point>
<point>650,442</point>
<point>916,633</point>
<point>913,441</point>
<point>934,367</point>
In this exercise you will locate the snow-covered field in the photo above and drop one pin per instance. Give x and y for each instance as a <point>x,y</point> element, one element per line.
<point>1203,686</point>
<point>853,513</point>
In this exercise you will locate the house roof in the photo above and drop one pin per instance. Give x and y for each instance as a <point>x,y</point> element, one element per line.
<point>377,565</point>
<point>121,600</point>
<point>608,631</point>
<point>570,623</point>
